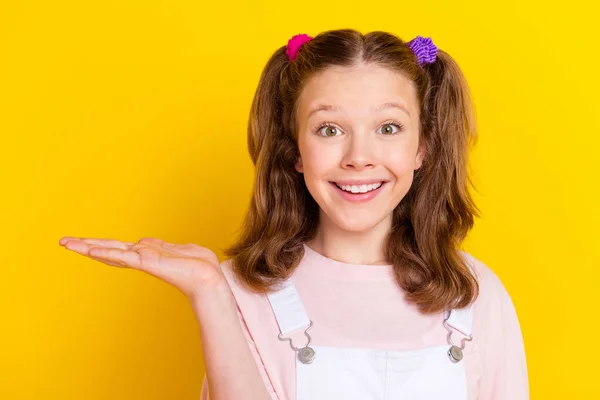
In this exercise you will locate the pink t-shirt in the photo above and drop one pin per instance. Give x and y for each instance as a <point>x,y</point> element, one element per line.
<point>362,306</point>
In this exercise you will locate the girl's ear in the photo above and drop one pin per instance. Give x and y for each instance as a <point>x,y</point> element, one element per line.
<point>419,158</point>
<point>299,166</point>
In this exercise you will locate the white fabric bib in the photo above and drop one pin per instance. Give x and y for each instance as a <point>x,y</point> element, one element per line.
<point>372,374</point>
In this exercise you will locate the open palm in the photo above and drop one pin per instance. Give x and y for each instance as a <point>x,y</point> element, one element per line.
<point>188,267</point>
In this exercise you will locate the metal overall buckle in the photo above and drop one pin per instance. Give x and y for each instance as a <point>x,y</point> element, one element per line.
<point>305,354</point>
<point>455,353</point>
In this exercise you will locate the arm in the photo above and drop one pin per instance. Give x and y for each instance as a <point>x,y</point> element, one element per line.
<point>504,363</point>
<point>231,371</point>
<point>195,271</point>
<point>204,392</point>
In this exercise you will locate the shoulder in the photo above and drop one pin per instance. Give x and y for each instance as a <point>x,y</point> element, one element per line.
<point>227,269</point>
<point>491,288</point>
<point>237,286</point>
<point>493,311</point>
<point>248,301</point>
<point>254,308</point>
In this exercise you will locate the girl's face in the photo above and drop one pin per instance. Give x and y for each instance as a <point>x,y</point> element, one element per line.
<point>358,136</point>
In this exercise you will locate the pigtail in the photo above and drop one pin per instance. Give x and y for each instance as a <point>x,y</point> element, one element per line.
<point>439,211</point>
<point>276,223</point>
<point>265,111</point>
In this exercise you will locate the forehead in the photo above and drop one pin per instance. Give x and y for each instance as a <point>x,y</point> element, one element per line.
<point>361,87</point>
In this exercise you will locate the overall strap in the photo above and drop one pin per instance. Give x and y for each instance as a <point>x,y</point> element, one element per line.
<point>288,308</point>
<point>461,320</point>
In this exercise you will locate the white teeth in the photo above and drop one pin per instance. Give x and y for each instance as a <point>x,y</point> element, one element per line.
<point>360,188</point>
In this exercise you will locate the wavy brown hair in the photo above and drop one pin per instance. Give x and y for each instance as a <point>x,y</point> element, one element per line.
<point>429,223</point>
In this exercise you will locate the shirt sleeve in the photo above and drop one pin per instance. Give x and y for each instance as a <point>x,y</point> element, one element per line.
<point>204,391</point>
<point>204,395</point>
<point>504,366</point>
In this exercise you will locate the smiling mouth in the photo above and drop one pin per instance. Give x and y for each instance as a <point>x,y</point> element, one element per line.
<point>359,189</point>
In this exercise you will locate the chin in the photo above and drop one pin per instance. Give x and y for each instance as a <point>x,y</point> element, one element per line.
<point>357,225</point>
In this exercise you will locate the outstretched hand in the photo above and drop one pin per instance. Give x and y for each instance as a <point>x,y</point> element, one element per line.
<point>188,267</point>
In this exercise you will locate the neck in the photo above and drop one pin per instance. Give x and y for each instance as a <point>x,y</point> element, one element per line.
<point>351,247</point>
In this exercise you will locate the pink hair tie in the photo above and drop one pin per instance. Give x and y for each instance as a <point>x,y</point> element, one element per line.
<point>294,44</point>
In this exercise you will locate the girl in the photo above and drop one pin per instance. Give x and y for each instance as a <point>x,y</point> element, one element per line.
<point>347,281</point>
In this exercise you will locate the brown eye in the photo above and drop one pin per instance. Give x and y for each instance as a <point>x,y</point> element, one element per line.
<point>390,129</point>
<point>329,131</point>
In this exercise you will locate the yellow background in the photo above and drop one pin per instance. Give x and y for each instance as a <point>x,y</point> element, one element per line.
<point>128,119</point>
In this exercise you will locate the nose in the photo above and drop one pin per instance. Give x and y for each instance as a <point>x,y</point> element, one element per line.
<point>358,153</point>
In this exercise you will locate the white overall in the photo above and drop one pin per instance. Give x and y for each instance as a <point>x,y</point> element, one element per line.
<point>370,374</point>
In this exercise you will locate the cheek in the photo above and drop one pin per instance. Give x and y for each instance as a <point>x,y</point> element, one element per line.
<point>319,160</point>
<point>400,162</point>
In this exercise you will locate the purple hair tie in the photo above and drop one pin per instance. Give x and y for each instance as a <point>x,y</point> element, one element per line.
<point>424,49</point>
<point>294,44</point>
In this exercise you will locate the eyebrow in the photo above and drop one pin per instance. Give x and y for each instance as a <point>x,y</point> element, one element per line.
<point>384,106</point>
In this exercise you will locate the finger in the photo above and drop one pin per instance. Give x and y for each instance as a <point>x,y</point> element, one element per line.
<point>152,242</point>
<point>114,264</point>
<point>108,243</point>
<point>65,239</point>
<point>82,250</point>
<point>171,249</point>
<point>77,245</point>
<point>95,252</point>
<point>188,249</point>
<point>123,258</point>
<point>98,242</point>
<point>143,257</point>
